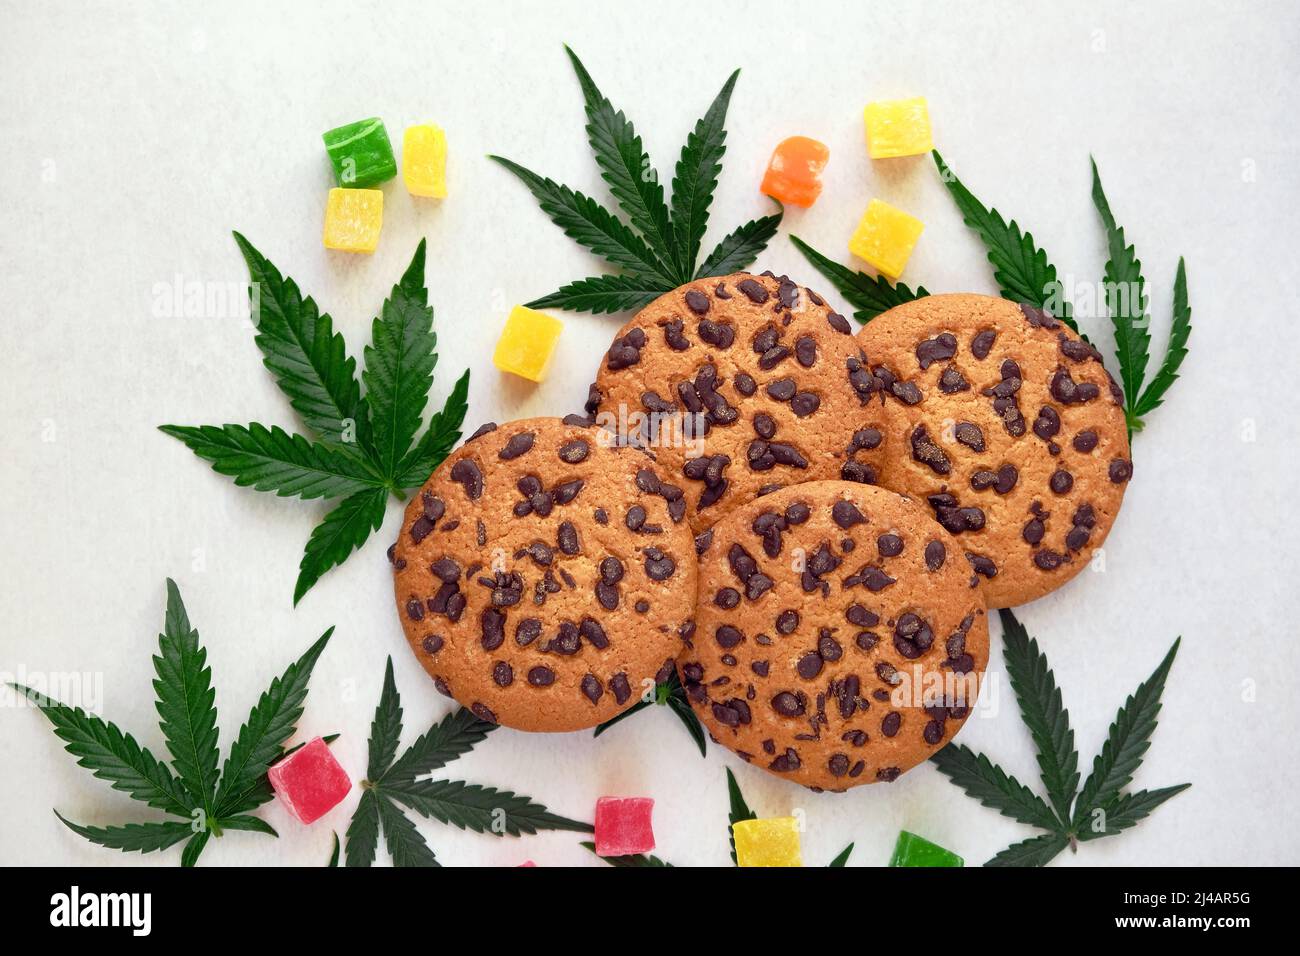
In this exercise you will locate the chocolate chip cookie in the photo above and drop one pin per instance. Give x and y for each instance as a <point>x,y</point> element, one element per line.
<point>541,577</point>
<point>1014,435</point>
<point>741,385</point>
<point>838,639</point>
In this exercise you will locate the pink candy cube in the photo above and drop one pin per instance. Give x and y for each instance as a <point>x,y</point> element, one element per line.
<point>623,826</point>
<point>310,782</point>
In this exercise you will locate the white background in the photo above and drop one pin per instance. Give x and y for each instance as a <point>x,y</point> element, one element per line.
<point>137,136</point>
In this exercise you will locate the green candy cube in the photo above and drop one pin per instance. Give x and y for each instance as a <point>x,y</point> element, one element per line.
<point>912,850</point>
<point>361,154</point>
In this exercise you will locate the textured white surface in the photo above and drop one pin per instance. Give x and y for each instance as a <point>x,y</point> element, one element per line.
<point>138,135</point>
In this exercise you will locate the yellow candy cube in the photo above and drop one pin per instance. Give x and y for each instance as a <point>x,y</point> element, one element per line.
<point>424,161</point>
<point>885,238</point>
<point>527,343</point>
<point>898,128</point>
<point>773,842</point>
<point>353,218</point>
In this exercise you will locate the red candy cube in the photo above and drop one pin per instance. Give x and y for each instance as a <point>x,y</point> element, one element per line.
<point>310,782</point>
<point>623,826</point>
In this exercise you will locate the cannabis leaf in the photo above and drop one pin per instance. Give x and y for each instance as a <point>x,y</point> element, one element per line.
<point>364,447</point>
<point>1125,296</point>
<point>868,295</point>
<point>394,782</point>
<point>671,694</point>
<point>1102,807</point>
<point>631,859</point>
<point>739,811</point>
<point>657,248</point>
<point>208,803</point>
<point>1021,268</point>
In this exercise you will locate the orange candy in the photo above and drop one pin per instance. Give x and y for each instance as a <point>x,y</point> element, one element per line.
<point>794,174</point>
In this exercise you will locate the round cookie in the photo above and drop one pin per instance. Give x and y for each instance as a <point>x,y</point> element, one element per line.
<point>1010,428</point>
<point>839,639</point>
<point>741,385</point>
<point>539,577</point>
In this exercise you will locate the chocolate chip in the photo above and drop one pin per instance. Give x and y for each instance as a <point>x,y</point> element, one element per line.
<point>809,666</point>
<point>483,712</point>
<point>432,644</point>
<point>764,425</point>
<point>541,676</point>
<point>933,732</point>
<point>519,444</point>
<point>982,565</point>
<point>969,435</point>
<point>935,553</point>
<point>845,514</point>
<point>928,453</point>
<point>952,381</point>
<point>467,474</point>
<point>787,292</point>
<point>484,429</point>
<point>787,621</point>
<point>838,323</point>
<point>728,636</point>
<point>1048,423</point>
<point>1061,481</point>
<point>658,566</point>
<point>805,403</point>
<point>940,348</point>
<point>1048,560</point>
<point>697,301</point>
<point>782,390</point>
<point>591,688</point>
<point>1038,318</point>
<point>565,492</point>
<point>415,610</point>
<point>758,585</point>
<point>982,343</point>
<point>797,513</point>
<point>861,616</point>
<point>889,545</point>
<point>805,351</point>
<point>789,704</point>
<point>607,595</point>
<point>445,569</point>
<point>1120,471</point>
<point>753,290</point>
<point>718,334</point>
<point>787,455</point>
<point>1085,441</point>
<point>1033,531</point>
<point>503,674</point>
<point>621,688</point>
<point>493,625</point>
<point>829,648</point>
<point>892,722</point>
<point>873,578</point>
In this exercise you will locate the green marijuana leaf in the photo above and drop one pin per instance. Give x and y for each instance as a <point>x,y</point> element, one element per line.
<point>869,296</point>
<point>1021,268</point>
<point>1126,301</point>
<point>671,694</point>
<point>631,860</point>
<point>658,247</point>
<point>739,811</point>
<point>364,447</point>
<point>1102,807</point>
<point>207,803</point>
<point>394,782</point>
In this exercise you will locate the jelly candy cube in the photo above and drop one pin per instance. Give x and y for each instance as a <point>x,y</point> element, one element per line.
<point>361,154</point>
<point>794,173</point>
<point>898,128</point>
<point>912,850</point>
<point>424,161</point>
<point>353,218</point>
<point>772,842</point>
<point>885,238</point>
<point>310,782</point>
<point>623,826</point>
<point>527,343</point>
